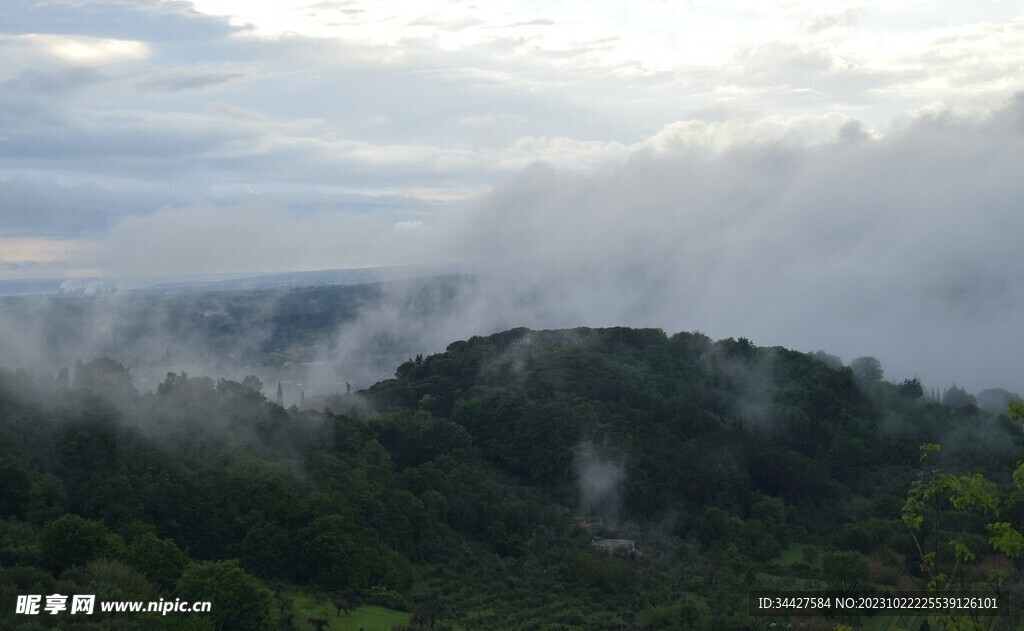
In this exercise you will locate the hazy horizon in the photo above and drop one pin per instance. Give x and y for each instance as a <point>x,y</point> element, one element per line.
<point>837,176</point>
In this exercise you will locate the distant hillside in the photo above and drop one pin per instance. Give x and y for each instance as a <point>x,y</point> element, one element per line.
<point>223,329</point>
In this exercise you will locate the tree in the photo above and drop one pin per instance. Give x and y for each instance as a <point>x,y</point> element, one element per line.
<point>253,383</point>
<point>17,488</point>
<point>107,377</point>
<point>429,613</point>
<point>832,361</point>
<point>239,601</point>
<point>348,600</point>
<point>867,368</point>
<point>71,540</point>
<point>958,398</point>
<point>911,388</point>
<point>328,547</point>
<point>845,570</point>
<point>938,533</point>
<point>159,559</point>
<point>172,381</point>
<point>936,498</point>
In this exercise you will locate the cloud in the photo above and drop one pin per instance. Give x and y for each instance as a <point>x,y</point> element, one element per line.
<point>600,480</point>
<point>83,50</point>
<point>55,207</point>
<point>192,79</point>
<point>841,19</point>
<point>31,250</point>
<point>537,22</point>
<point>902,246</point>
<point>28,257</point>
<point>145,20</point>
<point>254,237</point>
<point>810,232</point>
<point>703,162</point>
<point>490,120</point>
<point>162,92</point>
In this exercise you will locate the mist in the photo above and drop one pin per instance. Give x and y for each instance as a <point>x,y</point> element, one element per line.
<point>600,479</point>
<point>902,246</point>
<point>810,233</point>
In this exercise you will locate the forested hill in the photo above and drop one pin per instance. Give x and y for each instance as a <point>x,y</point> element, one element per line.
<point>691,421</point>
<point>467,490</point>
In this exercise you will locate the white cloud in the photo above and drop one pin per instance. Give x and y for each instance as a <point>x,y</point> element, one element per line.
<point>39,250</point>
<point>79,49</point>
<point>902,246</point>
<point>490,120</point>
<point>251,238</point>
<point>34,257</point>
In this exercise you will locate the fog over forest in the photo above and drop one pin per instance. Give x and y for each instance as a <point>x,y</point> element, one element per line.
<point>450,316</point>
<point>816,189</point>
<point>902,247</point>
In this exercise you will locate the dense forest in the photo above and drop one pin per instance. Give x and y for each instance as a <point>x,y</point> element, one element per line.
<point>574,479</point>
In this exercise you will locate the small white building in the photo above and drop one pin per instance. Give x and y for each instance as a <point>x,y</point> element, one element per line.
<point>629,545</point>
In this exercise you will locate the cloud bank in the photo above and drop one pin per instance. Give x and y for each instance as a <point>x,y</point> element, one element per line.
<point>806,233</point>
<point>905,247</point>
<point>807,174</point>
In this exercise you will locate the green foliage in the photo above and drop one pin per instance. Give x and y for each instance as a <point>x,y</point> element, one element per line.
<point>238,601</point>
<point>690,612</point>
<point>71,540</point>
<point>106,377</point>
<point>939,501</point>
<point>608,575</point>
<point>17,481</point>
<point>867,368</point>
<point>303,605</point>
<point>159,559</point>
<point>463,485</point>
<point>1016,410</point>
<point>844,570</point>
<point>911,388</point>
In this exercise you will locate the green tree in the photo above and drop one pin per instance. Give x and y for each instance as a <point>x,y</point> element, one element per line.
<point>429,613</point>
<point>107,377</point>
<point>253,383</point>
<point>956,397</point>
<point>942,551</point>
<point>911,388</point>
<point>844,570</point>
<point>17,488</point>
<point>159,559</point>
<point>867,368</point>
<point>238,601</point>
<point>71,540</point>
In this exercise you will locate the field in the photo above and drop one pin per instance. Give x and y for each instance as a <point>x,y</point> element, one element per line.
<point>365,618</point>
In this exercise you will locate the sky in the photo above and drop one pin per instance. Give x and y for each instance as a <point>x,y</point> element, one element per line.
<point>838,175</point>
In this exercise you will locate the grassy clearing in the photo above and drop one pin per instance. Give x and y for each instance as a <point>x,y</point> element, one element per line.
<point>367,617</point>
<point>793,554</point>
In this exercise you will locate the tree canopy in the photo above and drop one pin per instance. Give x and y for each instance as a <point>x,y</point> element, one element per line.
<point>468,490</point>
